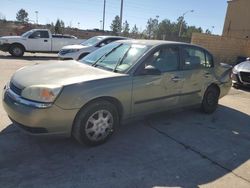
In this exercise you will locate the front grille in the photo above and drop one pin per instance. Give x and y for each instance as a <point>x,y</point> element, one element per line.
<point>245,76</point>
<point>15,89</point>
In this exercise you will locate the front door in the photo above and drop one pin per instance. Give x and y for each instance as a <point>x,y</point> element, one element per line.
<point>39,41</point>
<point>152,93</point>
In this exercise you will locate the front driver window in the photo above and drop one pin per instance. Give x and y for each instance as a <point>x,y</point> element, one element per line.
<point>35,35</point>
<point>166,59</point>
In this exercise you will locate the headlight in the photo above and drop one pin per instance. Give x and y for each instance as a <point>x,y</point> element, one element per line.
<point>42,93</point>
<point>235,71</point>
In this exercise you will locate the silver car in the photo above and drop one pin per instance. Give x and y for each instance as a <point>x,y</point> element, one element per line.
<point>241,74</point>
<point>78,51</point>
<point>91,97</point>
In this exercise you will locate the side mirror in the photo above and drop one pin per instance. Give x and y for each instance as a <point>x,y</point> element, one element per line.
<point>151,70</point>
<point>101,45</point>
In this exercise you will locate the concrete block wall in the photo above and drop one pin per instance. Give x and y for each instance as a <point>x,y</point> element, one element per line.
<point>224,49</point>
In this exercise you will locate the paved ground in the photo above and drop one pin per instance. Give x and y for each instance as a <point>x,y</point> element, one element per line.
<point>177,149</point>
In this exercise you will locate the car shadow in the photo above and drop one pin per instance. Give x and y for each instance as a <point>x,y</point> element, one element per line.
<point>32,57</point>
<point>175,149</point>
<point>247,89</point>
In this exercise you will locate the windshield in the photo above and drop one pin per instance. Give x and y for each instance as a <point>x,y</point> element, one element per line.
<point>26,34</point>
<point>115,57</point>
<point>92,41</point>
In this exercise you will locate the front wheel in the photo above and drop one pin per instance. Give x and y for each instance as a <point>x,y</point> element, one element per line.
<point>16,50</point>
<point>95,123</point>
<point>210,100</point>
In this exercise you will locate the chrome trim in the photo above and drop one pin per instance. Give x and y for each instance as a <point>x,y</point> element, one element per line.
<point>26,102</point>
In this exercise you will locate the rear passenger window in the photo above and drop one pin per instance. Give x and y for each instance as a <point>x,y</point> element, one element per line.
<point>44,34</point>
<point>194,58</point>
<point>209,61</point>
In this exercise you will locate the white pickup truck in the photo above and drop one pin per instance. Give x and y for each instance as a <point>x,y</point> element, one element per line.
<point>36,40</point>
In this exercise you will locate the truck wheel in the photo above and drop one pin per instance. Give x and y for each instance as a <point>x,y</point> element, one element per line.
<point>95,123</point>
<point>210,100</point>
<point>16,50</point>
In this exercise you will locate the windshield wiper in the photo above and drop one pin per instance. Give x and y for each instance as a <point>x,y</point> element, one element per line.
<point>121,59</point>
<point>105,55</point>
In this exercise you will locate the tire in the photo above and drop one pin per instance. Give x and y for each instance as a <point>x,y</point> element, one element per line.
<point>210,100</point>
<point>82,56</point>
<point>16,50</point>
<point>95,123</point>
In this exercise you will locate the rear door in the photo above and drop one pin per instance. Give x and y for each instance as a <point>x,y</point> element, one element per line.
<point>152,93</point>
<point>39,41</point>
<point>194,74</point>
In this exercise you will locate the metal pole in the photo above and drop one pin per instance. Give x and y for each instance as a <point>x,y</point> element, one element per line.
<point>121,12</point>
<point>104,12</point>
<point>183,16</point>
<point>36,17</point>
<point>181,26</point>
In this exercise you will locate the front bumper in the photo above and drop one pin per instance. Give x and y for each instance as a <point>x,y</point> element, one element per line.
<point>237,80</point>
<point>45,121</point>
<point>68,56</point>
<point>5,47</point>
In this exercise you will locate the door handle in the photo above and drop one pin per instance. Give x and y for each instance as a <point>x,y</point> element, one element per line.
<point>45,40</point>
<point>177,79</point>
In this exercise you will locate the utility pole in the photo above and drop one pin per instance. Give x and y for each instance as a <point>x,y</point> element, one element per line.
<point>121,12</point>
<point>182,20</point>
<point>104,12</point>
<point>36,17</point>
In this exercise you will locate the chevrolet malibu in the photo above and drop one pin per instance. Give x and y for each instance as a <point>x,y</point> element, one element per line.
<point>91,97</point>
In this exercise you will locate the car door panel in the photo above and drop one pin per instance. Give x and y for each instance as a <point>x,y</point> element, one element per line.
<point>152,93</point>
<point>193,60</point>
<point>38,43</point>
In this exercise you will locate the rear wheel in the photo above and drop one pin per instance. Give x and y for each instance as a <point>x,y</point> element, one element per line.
<point>16,50</point>
<point>95,123</point>
<point>210,100</point>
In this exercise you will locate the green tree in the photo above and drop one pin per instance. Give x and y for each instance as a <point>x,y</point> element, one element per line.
<point>152,28</point>
<point>115,25</point>
<point>134,32</point>
<point>125,29</point>
<point>59,27</point>
<point>165,29</point>
<point>208,32</point>
<point>22,16</point>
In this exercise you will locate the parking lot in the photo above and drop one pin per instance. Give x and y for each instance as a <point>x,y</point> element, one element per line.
<point>171,149</point>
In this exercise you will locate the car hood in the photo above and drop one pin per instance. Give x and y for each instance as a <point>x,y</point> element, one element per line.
<point>11,37</point>
<point>244,66</point>
<point>76,46</point>
<point>58,73</point>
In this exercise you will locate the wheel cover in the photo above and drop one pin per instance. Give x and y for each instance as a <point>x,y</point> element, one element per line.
<point>17,51</point>
<point>99,125</point>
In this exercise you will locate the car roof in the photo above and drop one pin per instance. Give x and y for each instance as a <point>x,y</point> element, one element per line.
<point>155,42</point>
<point>104,37</point>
